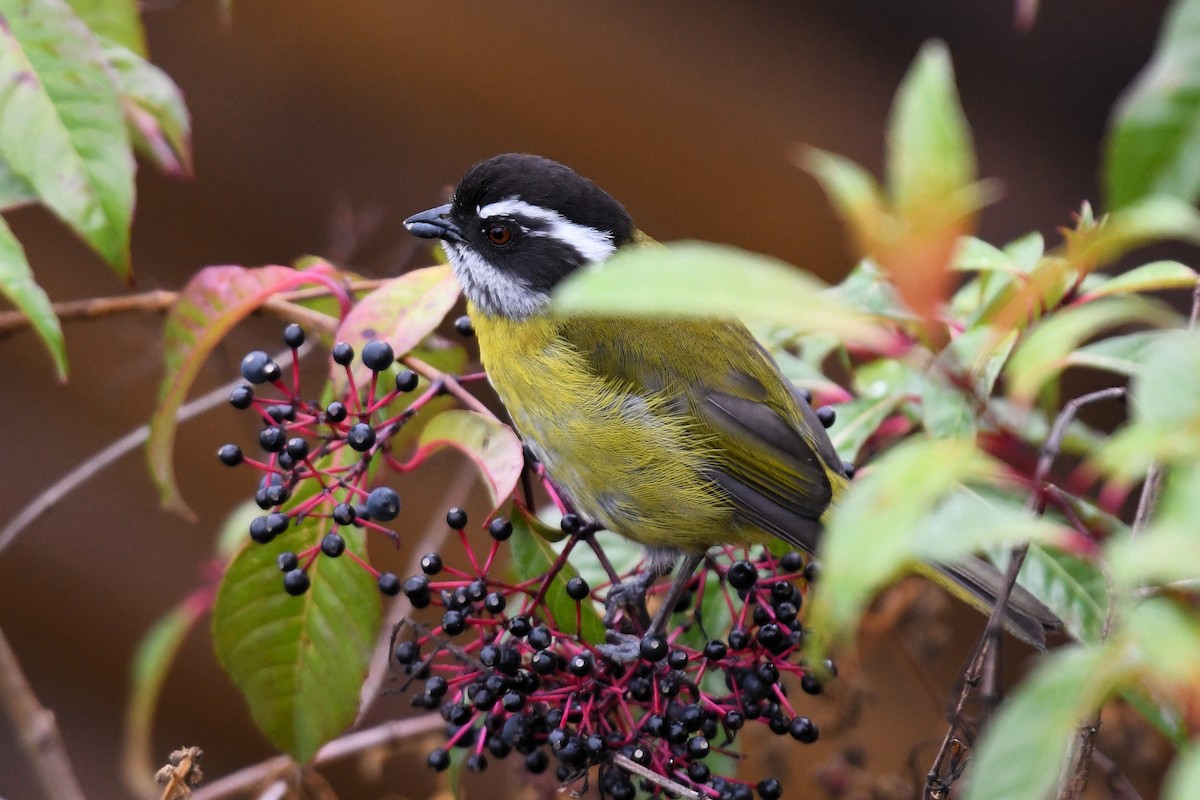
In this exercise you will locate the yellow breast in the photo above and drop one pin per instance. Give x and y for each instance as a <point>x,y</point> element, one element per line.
<point>627,460</point>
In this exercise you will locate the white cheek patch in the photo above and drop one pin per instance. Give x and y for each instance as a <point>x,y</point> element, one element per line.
<point>491,290</point>
<point>592,245</point>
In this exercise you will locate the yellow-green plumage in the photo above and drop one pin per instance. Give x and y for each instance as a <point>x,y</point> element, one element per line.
<point>627,427</point>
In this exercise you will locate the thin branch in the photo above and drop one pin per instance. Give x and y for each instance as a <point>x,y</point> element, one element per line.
<point>51,496</point>
<point>257,776</point>
<point>450,383</point>
<point>987,650</point>
<point>159,301</point>
<point>37,730</point>
<point>629,765</point>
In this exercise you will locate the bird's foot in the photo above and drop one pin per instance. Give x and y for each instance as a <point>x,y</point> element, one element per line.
<point>629,596</point>
<point>624,648</point>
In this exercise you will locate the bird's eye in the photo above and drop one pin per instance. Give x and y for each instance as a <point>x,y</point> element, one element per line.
<point>499,235</point>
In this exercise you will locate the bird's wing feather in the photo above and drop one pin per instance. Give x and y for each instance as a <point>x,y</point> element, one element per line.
<point>764,459</point>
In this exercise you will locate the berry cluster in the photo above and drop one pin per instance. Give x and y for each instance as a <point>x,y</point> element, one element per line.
<point>508,678</point>
<point>317,457</point>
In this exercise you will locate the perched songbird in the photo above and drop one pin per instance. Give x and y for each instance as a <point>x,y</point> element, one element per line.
<point>680,434</point>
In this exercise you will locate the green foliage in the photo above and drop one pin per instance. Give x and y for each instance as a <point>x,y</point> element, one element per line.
<point>18,285</point>
<point>298,661</point>
<point>532,557</point>
<point>1154,136</point>
<point>76,96</point>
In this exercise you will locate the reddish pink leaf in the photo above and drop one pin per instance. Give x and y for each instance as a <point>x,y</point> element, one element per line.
<point>491,444</point>
<point>402,312</point>
<point>214,301</point>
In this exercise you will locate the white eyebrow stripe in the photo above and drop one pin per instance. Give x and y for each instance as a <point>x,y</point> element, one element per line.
<point>592,244</point>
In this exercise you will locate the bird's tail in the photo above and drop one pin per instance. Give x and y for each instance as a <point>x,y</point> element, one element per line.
<point>978,583</point>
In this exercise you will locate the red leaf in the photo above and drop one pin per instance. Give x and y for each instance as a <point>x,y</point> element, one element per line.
<point>402,312</point>
<point>211,304</point>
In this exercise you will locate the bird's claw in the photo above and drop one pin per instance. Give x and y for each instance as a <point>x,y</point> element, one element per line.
<point>624,648</point>
<point>629,596</point>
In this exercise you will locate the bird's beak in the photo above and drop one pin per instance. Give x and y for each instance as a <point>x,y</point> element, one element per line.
<point>434,224</point>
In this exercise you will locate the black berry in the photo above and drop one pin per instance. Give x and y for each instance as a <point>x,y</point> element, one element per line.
<point>826,415</point>
<point>431,563</point>
<point>463,326</point>
<point>335,411</point>
<point>296,582</point>
<point>439,759</point>
<point>500,529</point>
<point>287,561</point>
<point>456,518</point>
<point>241,397</point>
<point>577,588</point>
<point>230,455</point>
<point>377,355</point>
<point>389,584</point>
<point>406,380</point>
<point>742,575</point>
<point>384,503</point>
<point>333,545</point>
<point>272,439</point>
<point>361,437</point>
<point>342,354</point>
<point>293,335</point>
<point>257,367</point>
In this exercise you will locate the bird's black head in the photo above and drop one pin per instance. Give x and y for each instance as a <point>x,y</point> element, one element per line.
<point>519,224</point>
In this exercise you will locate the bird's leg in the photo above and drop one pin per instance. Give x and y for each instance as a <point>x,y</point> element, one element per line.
<point>624,647</point>
<point>630,596</point>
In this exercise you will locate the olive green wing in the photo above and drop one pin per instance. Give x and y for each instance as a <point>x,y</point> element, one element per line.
<point>769,456</point>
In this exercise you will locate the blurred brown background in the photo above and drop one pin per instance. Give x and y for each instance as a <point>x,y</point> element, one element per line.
<point>319,126</point>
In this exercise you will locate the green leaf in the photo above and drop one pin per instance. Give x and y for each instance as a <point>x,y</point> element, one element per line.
<point>151,661</point>
<point>1183,778</point>
<point>1165,400</point>
<point>967,522</point>
<point>1155,276</point>
<point>532,557</point>
<point>1044,352</point>
<point>298,661</point>
<point>697,279</point>
<point>18,285</point>
<point>1165,639</point>
<point>930,156</point>
<point>117,20</point>
<point>1168,550</point>
<point>854,194</point>
<point>976,255</point>
<point>61,126</point>
<point>209,306</point>
<point>14,191</point>
<point>402,312</point>
<point>858,420</point>
<point>947,412</point>
<point>491,444</point>
<point>1153,142</point>
<point>1166,389</point>
<point>868,290</point>
<point>1118,354</point>
<point>624,555</point>
<point>870,536</point>
<point>157,118</point>
<point>1073,589</point>
<point>1036,725</point>
<point>1148,221</point>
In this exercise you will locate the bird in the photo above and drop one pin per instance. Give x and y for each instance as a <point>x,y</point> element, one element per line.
<point>681,434</point>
